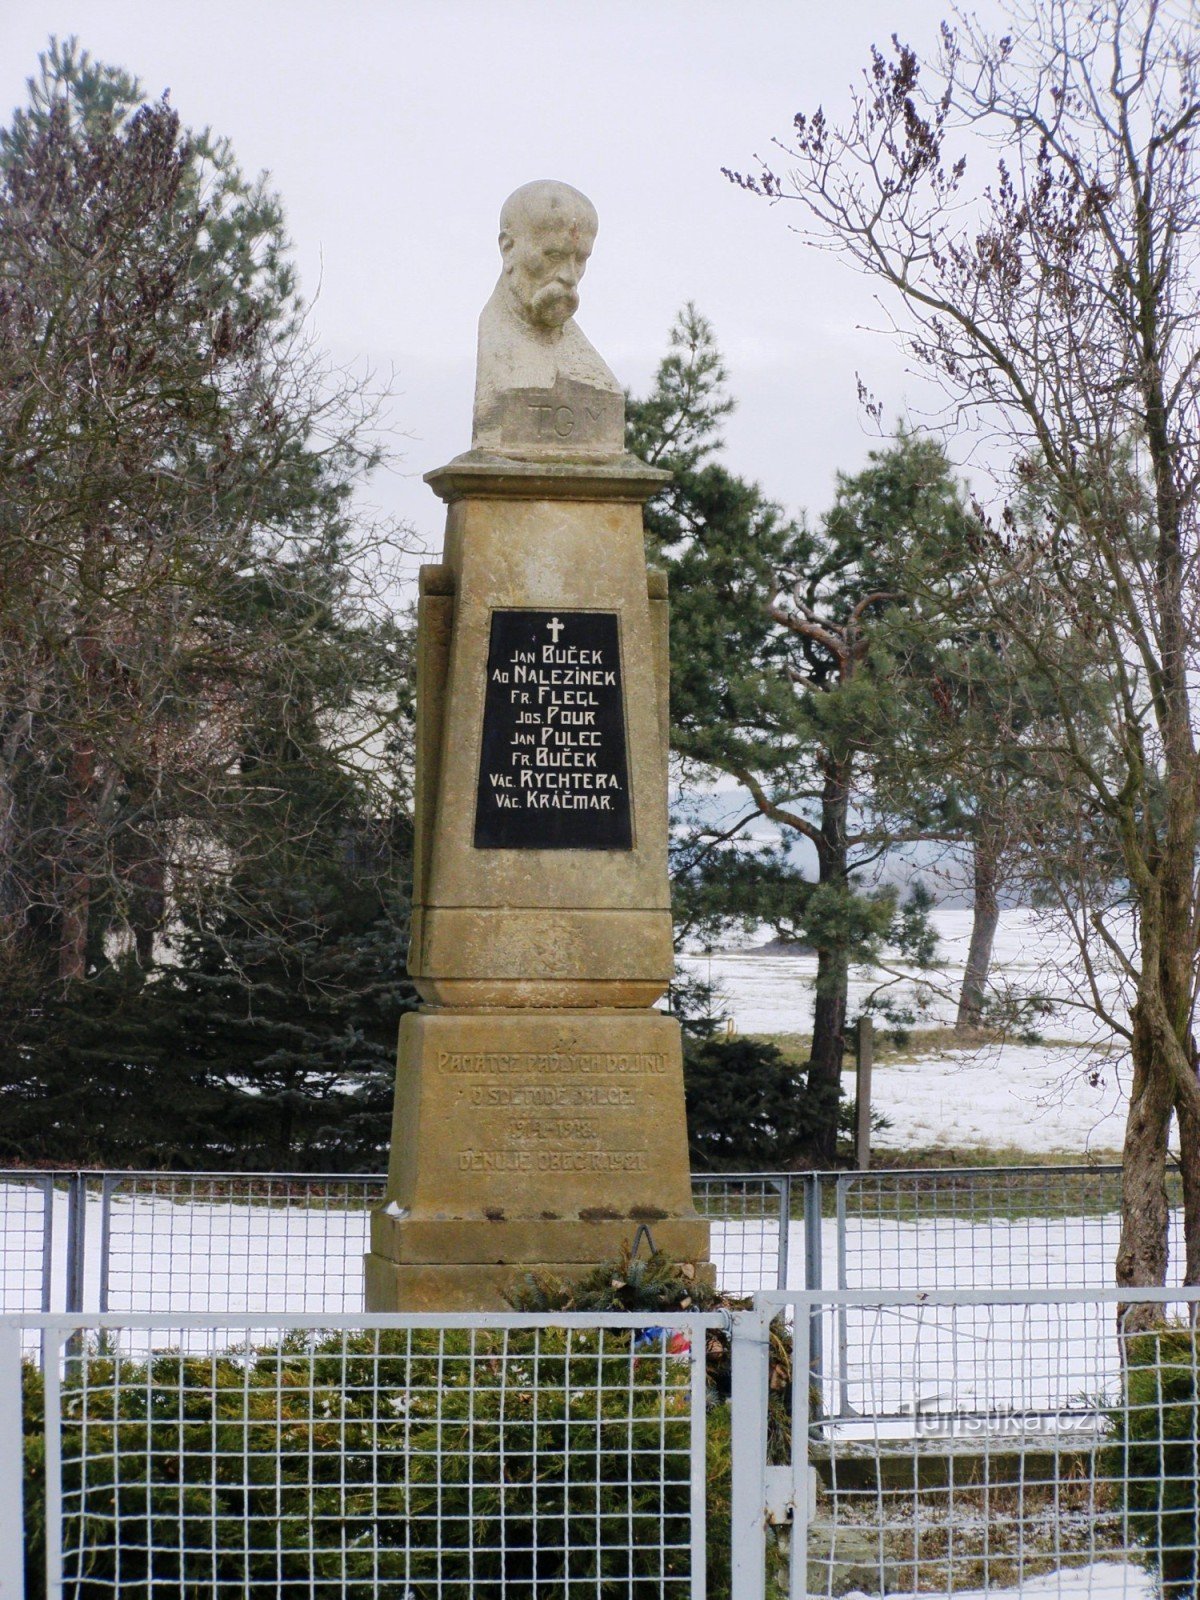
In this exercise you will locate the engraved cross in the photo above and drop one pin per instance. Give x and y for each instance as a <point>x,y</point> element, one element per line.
<point>556,627</point>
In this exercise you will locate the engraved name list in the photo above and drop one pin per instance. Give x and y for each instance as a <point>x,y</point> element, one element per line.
<point>553,772</point>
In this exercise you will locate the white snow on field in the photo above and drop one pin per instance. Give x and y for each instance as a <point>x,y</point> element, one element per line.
<point>1034,1098</point>
<point>1102,1580</point>
<point>1067,1097</point>
<point>771,992</point>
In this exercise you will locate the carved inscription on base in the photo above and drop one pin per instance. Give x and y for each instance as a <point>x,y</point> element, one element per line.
<point>575,1112</point>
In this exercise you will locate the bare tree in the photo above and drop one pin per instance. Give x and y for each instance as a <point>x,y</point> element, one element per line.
<point>175,463</point>
<point>1058,304</point>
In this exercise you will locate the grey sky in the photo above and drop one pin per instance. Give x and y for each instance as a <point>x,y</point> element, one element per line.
<point>395,130</point>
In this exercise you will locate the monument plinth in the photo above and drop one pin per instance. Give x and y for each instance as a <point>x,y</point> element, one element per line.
<point>539,1101</point>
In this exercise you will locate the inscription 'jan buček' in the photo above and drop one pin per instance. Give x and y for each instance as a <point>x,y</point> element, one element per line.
<point>553,772</point>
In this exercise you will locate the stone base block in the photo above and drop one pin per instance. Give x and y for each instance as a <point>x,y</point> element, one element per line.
<point>396,1286</point>
<point>529,1140</point>
<point>579,1241</point>
<point>548,957</point>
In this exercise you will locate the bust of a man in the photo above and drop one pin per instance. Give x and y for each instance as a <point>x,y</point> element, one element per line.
<point>541,390</point>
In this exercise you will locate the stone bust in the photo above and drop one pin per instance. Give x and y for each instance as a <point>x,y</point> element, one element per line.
<point>541,390</point>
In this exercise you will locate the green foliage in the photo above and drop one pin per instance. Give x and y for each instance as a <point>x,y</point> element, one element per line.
<point>721,542</point>
<point>634,1282</point>
<point>1155,1454</point>
<point>774,684</point>
<point>473,1458</point>
<point>204,700</point>
<point>747,1106</point>
<point>461,1457</point>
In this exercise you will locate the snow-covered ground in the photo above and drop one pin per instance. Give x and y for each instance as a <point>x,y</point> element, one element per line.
<point>1101,1580</point>
<point>1036,1099</point>
<point>1066,1096</point>
<point>770,992</point>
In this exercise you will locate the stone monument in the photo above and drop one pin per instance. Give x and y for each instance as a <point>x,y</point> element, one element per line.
<point>539,1118</point>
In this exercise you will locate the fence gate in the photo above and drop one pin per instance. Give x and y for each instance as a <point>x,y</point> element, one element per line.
<point>1005,1442</point>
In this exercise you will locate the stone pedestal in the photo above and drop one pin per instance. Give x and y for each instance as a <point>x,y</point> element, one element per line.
<point>539,1104</point>
<point>537,1140</point>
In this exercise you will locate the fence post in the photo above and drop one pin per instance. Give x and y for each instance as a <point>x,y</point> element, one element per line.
<point>864,1057</point>
<point>47,1241</point>
<point>76,1245</point>
<point>785,1229</point>
<point>106,1193</point>
<point>76,1235</point>
<point>842,1183</point>
<point>57,1353</point>
<point>751,1362</point>
<point>12,1467</point>
<point>813,1266</point>
<point>812,1230</point>
<point>801,1470</point>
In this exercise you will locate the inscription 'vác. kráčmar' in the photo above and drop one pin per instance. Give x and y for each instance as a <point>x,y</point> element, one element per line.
<point>553,770</point>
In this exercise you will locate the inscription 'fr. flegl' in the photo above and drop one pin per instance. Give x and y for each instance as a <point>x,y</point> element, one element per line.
<point>553,771</point>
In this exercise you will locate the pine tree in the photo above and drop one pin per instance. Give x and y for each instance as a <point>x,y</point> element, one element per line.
<point>771,685</point>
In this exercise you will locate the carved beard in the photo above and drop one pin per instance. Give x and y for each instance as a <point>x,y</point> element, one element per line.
<point>552,305</point>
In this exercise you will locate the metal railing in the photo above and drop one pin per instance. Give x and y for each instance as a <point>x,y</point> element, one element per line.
<point>457,1456</point>
<point>1032,1442</point>
<point>1024,1442</point>
<point>171,1242</point>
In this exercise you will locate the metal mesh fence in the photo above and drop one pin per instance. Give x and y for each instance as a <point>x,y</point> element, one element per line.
<point>174,1242</point>
<point>1003,1228</point>
<point>455,1457</point>
<point>1025,1445</point>
<point>1005,1443</point>
<point>751,1214</point>
<point>1021,1226</point>
<point>26,1240</point>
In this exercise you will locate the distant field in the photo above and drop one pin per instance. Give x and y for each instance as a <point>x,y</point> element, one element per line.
<point>1060,1100</point>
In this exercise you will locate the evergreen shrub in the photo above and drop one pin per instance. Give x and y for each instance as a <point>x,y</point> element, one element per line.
<point>319,1444</point>
<point>233,1468</point>
<point>748,1108</point>
<point>1155,1453</point>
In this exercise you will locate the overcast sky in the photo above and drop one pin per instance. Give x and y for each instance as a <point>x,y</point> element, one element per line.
<point>394,131</point>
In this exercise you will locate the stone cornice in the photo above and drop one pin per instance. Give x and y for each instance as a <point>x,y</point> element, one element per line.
<point>480,476</point>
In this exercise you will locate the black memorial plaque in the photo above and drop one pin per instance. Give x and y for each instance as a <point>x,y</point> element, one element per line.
<point>553,772</point>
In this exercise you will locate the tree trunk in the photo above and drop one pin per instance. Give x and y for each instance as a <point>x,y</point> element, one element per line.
<point>1164,1050</point>
<point>986,874</point>
<point>77,888</point>
<point>1142,1253</point>
<point>10,899</point>
<point>1188,1115</point>
<point>1164,1079</point>
<point>833,970</point>
<point>147,906</point>
<point>828,1051</point>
